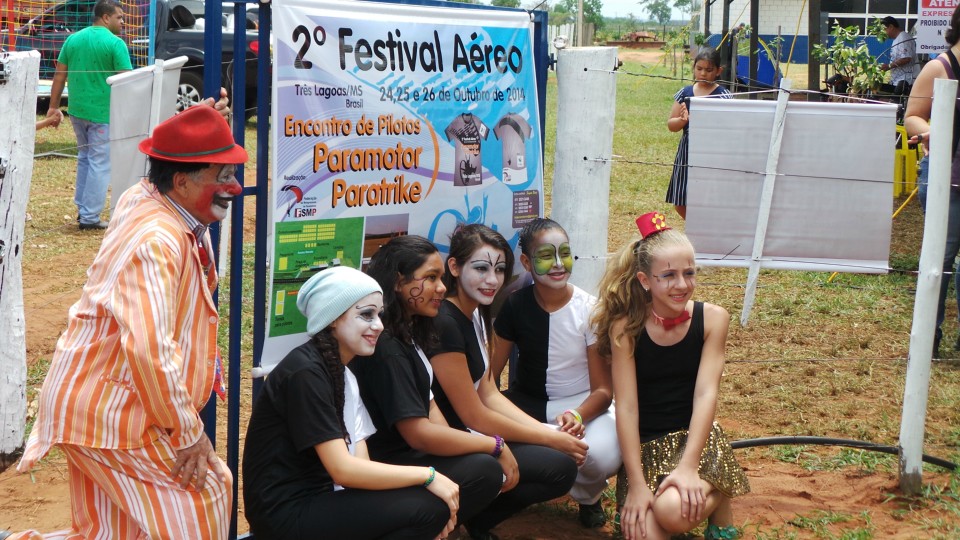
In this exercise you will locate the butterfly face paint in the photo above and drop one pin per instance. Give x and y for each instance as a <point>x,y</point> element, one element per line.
<point>552,259</point>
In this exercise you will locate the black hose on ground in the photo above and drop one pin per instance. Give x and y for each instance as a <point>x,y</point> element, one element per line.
<point>827,441</point>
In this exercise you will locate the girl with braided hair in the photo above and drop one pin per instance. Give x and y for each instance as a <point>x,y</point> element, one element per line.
<point>306,469</point>
<point>666,353</point>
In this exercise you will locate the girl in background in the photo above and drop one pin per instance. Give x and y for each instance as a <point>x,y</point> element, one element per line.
<point>559,376</point>
<point>667,357</point>
<point>706,70</point>
<point>395,382</point>
<point>305,464</point>
<point>479,261</point>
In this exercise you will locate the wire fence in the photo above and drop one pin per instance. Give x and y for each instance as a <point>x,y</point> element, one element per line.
<point>44,25</point>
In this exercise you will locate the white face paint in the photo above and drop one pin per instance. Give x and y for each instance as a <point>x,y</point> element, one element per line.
<point>482,274</point>
<point>358,329</point>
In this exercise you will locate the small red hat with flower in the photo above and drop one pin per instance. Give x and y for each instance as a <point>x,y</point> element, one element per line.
<point>651,223</point>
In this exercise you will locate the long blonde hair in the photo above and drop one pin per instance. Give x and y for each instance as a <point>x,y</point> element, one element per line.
<point>620,294</point>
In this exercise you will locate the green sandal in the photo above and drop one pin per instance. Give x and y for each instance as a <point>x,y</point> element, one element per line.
<point>714,532</point>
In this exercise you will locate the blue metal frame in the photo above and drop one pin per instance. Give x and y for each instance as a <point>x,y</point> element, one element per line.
<point>211,82</point>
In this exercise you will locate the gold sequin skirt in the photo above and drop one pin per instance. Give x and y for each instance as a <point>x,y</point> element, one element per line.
<point>718,466</point>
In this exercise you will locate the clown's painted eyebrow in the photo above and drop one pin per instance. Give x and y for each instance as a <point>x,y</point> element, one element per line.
<point>368,312</point>
<point>488,260</point>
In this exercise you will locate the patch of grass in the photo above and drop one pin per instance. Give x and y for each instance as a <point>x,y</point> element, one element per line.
<point>823,524</point>
<point>777,533</point>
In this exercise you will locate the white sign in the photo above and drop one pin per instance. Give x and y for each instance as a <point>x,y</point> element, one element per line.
<point>932,23</point>
<point>831,204</point>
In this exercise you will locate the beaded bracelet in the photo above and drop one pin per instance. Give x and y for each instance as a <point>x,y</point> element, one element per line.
<point>497,446</point>
<point>433,474</point>
<point>575,414</point>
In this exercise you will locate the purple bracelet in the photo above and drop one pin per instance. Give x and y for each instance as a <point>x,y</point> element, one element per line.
<point>497,447</point>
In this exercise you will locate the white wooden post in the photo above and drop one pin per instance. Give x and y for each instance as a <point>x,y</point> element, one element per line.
<point>766,200</point>
<point>19,73</point>
<point>917,384</point>
<point>586,106</point>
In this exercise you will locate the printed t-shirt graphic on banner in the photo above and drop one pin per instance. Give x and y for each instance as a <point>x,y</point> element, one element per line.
<point>513,132</point>
<point>468,132</point>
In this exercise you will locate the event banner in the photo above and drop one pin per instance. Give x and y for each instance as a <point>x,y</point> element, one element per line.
<point>393,119</point>
<point>933,20</point>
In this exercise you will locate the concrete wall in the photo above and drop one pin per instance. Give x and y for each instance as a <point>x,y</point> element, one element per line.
<point>773,13</point>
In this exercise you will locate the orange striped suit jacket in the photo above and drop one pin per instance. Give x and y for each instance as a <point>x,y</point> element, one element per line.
<point>137,359</point>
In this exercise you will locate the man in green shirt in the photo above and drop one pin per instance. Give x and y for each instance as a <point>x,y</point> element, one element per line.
<point>87,58</point>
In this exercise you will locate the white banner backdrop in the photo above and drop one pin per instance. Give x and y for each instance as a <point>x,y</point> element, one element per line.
<point>393,119</point>
<point>831,207</point>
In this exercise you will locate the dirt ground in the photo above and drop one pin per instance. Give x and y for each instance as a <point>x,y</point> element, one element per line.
<point>781,491</point>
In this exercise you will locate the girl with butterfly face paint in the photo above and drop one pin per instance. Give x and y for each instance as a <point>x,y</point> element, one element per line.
<point>559,377</point>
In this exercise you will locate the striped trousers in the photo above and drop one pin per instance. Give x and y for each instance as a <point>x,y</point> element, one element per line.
<point>129,494</point>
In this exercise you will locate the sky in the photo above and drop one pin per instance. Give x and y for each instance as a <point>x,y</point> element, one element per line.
<point>620,8</point>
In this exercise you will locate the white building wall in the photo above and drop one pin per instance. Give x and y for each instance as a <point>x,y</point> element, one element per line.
<point>773,13</point>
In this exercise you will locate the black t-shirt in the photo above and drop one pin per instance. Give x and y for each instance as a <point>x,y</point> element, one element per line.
<point>666,379</point>
<point>295,411</point>
<point>526,324</point>
<point>394,385</point>
<point>456,335</point>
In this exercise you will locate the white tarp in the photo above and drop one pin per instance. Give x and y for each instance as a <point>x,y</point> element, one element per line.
<point>832,199</point>
<point>133,114</point>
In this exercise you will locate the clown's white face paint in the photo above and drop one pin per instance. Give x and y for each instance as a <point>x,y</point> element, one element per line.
<point>482,274</point>
<point>358,329</point>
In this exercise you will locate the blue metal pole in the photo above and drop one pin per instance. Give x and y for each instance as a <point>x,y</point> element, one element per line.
<point>236,259</point>
<point>264,93</point>
<point>212,37</point>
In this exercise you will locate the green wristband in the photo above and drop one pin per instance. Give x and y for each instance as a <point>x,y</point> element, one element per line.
<point>433,474</point>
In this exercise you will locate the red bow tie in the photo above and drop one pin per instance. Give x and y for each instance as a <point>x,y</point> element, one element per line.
<point>204,258</point>
<point>201,249</point>
<point>668,323</point>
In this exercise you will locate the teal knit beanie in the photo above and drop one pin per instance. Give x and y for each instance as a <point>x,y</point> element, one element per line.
<point>331,292</point>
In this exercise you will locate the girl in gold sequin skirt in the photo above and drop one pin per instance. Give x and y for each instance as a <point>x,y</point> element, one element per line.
<point>667,355</point>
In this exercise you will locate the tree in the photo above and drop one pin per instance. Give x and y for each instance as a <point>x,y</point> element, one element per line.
<point>505,3</point>
<point>683,5</point>
<point>659,10</point>
<point>851,58</point>
<point>591,11</point>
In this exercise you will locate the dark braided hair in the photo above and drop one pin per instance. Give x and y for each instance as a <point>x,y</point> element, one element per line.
<point>529,232</point>
<point>328,347</point>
